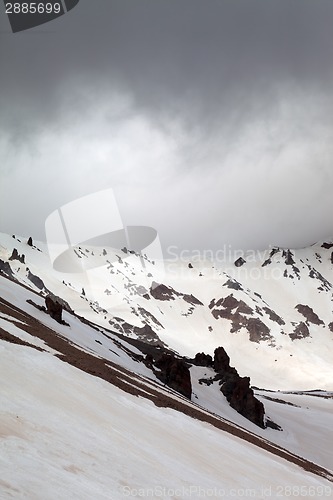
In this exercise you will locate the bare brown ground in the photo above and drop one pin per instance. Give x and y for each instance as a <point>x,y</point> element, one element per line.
<point>138,386</point>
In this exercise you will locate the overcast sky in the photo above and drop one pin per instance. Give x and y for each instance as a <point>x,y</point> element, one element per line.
<point>212,120</point>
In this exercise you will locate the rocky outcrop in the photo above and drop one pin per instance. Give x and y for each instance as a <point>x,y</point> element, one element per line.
<point>241,397</point>
<point>239,262</point>
<point>6,269</point>
<point>288,255</point>
<point>234,284</point>
<point>202,359</point>
<point>29,242</point>
<point>16,256</point>
<point>301,331</point>
<point>35,280</point>
<point>222,361</point>
<point>258,330</point>
<point>54,309</point>
<point>237,311</point>
<point>175,373</point>
<point>144,333</point>
<point>237,389</point>
<point>163,292</point>
<point>309,314</point>
<point>327,245</point>
<point>273,316</point>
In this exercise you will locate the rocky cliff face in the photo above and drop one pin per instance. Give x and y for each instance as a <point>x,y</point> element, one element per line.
<point>236,389</point>
<point>175,373</point>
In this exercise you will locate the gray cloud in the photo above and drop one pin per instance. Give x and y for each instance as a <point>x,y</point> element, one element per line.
<point>210,119</point>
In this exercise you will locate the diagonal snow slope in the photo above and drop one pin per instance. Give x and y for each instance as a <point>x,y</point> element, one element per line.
<point>66,434</point>
<point>129,382</point>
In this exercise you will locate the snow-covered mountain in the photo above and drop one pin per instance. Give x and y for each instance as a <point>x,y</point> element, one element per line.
<point>107,392</point>
<point>272,313</point>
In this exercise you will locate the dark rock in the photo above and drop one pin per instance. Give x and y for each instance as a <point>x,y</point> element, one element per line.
<point>234,310</point>
<point>330,326</point>
<point>6,269</point>
<point>288,257</point>
<point>36,280</point>
<point>241,397</point>
<point>149,360</point>
<point>163,292</point>
<point>273,425</point>
<point>144,333</point>
<point>327,245</point>
<point>240,262</point>
<point>175,374</point>
<point>233,284</point>
<point>237,389</point>
<point>332,258</point>
<point>37,306</point>
<point>55,306</point>
<point>313,273</point>
<point>54,309</point>
<point>29,242</point>
<point>301,331</point>
<point>273,316</point>
<point>267,261</point>
<point>190,266</point>
<point>309,314</point>
<point>202,359</point>
<point>221,360</point>
<point>258,330</point>
<point>191,299</point>
<point>15,256</point>
<point>206,381</point>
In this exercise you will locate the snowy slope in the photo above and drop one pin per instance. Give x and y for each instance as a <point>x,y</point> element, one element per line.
<point>83,417</point>
<point>67,434</point>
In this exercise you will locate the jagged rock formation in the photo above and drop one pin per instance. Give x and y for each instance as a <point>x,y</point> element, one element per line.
<point>236,389</point>
<point>29,242</point>
<point>16,256</point>
<point>6,269</point>
<point>202,359</point>
<point>174,372</point>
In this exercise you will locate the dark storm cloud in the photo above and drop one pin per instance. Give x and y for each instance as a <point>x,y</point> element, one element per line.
<point>191,56</point>
<point>242,86</point>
